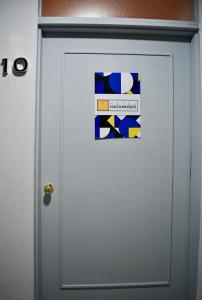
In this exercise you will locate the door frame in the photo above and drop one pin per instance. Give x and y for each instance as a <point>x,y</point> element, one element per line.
<point>56,26</point>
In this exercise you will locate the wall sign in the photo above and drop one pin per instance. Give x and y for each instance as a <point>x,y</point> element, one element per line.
<point>19,66</point>
<point>117,105</point>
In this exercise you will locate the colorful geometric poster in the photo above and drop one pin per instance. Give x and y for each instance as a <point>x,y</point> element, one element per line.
<point>117,105</point>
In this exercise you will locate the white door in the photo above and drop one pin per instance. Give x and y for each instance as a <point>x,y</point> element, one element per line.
<point>116,225</point>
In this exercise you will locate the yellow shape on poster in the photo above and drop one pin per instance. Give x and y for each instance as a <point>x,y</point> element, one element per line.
<point>111,121</point>
<point>133,132</point>
<point>102,105</point>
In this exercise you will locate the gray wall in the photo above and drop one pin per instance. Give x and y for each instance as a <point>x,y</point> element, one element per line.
<point>18,29</point>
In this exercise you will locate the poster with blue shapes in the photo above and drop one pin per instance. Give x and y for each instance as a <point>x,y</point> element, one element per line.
<point>117,105</point>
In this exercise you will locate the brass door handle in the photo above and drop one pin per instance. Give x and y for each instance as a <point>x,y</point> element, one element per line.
<point>48,189</point>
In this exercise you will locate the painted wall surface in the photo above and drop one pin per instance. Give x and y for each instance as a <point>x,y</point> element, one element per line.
<point>18,33</point>
<point>152,9</point>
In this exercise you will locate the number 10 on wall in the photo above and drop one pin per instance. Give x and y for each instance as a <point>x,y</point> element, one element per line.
<point>19,66</point>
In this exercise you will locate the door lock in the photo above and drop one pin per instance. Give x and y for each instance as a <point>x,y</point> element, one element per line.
<point>48,189</point>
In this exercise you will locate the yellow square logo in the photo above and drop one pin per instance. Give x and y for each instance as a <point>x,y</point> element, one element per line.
<point>102,105</point>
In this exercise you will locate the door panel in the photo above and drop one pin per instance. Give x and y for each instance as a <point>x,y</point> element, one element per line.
<point>116,226</point>
<point>108,217</point>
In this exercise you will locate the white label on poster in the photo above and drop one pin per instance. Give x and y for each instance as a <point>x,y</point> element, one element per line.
<point>117,104</point>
